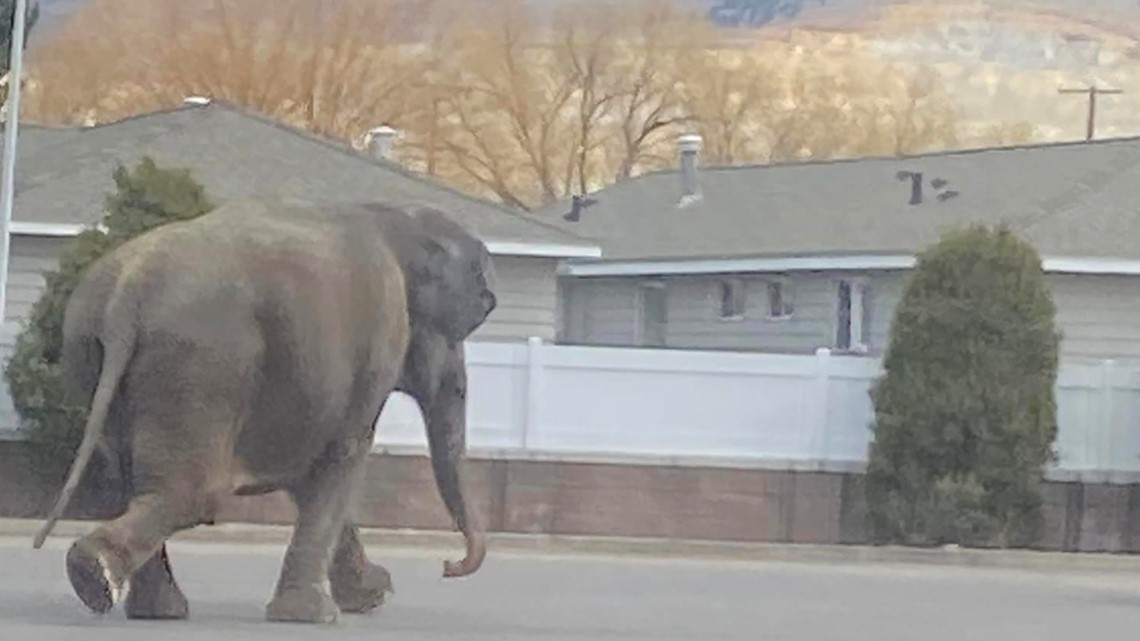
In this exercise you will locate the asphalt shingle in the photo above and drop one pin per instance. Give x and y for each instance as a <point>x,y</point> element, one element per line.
<point>63,174</point>
<point>1069,199</point>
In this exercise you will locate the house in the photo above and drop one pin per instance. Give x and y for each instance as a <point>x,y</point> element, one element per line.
<point>795,257</point>
<point>62,175</point>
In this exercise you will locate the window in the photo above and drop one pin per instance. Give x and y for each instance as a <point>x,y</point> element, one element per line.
<point>653,317</point>
<point>731,293</point>
<point>852,327</point>
<point>843,324</point>
<point>866,307</point>
<point>780,304</point>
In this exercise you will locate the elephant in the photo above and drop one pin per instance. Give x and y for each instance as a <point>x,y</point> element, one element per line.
<point>250,350</point>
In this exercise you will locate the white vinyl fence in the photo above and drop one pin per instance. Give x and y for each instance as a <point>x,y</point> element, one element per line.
<point>790,411</point>
<point>720,408</point>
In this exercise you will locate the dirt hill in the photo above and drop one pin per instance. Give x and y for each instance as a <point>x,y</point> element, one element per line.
<point>1003,60</point>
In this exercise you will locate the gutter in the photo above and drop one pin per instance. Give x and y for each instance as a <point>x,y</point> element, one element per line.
<point>500,248</point>
<point>850,262</point>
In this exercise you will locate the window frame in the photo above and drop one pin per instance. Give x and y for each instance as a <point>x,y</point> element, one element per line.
<point>858,319</point>
<point>783,285</point>
<point>640,327</point>
<point>737,290</point>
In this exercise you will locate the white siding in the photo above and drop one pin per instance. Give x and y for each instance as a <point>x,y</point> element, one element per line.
<point>604,312</point>
<point>31,256</point>
<point>886,291</point>
<point>1099,316</point>
<point>600,311</point>
<point>695,323</point>
<point>526,289</point>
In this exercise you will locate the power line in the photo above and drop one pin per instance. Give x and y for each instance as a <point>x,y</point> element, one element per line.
<point>1092,91</point>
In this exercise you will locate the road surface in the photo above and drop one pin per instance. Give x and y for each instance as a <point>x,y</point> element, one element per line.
<point>544,598</point>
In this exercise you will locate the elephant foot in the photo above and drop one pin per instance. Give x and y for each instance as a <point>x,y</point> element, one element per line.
<point>157,600</point>
<point>154,593</point>
<point>359,594</point>
<point>90,572</point>
<point>166,604</point>
<point>308,604</point>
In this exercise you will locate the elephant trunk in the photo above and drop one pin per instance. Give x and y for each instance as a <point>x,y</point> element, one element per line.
<point>474,534</point>
<point>447,438</point>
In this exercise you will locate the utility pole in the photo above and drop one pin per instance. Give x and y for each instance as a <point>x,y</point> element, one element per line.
<point>11,124</point>
<point>1092,92</point>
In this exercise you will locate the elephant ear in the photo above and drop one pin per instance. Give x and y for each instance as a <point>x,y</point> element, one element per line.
<point>438,254</point>
<point>437,251</point>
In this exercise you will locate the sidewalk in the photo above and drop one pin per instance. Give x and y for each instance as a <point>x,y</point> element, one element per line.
<point>659,548</point>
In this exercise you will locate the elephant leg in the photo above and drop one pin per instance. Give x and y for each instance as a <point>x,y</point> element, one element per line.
<point>302,593</point>
<point>358,585</point>
<point>100,564</point>
<point>179,476</point>
<point>154,593</point>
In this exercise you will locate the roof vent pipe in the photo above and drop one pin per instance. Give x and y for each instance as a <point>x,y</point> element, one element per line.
<point>689,149</point>
<point>380,140</point>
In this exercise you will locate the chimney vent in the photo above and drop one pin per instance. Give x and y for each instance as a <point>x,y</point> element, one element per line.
<point>689,148</point>
<point>380,140</point>
<point>915,178</point>
<point>577,204</point>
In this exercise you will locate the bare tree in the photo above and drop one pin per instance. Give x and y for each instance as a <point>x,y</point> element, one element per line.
<point>334,70</point>
<point>585,49</point>
<point>530,113</point>
<point>650,104</point>
<point>502,105</point>
<point>490,98</point>
<point>731,97</point>
<point>773,105</point>
<point>905,111</point>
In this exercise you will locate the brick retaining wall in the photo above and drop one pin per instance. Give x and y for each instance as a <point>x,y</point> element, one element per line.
<point>544,497</point>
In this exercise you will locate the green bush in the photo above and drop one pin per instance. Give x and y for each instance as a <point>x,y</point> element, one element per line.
<point>965,415</point>
<point>145,198</point>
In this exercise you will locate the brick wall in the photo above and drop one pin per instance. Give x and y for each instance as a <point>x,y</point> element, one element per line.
<point>637,500</point>
<point>685,503</point>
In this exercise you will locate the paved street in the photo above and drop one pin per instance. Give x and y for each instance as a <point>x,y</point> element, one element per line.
<point>528,596</point>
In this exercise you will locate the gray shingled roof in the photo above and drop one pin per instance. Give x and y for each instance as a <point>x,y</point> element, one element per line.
<point>1069,199</point>
<point>62,174</point>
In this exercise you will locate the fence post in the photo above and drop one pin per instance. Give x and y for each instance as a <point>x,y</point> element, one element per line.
<point>533,387</point>
<point>1104,449</point>
<point>819,447</point>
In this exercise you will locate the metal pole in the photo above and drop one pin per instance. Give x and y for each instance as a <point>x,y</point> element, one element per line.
<point>11,126</point>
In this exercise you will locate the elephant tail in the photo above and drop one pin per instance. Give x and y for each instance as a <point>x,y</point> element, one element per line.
<point>115,361</point>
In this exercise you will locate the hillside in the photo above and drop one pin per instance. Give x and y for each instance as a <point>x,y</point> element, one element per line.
<point>1002,60</point>
<point>1005,61</point>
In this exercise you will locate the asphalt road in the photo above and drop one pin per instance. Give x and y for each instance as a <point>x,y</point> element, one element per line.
<point>535,597</point>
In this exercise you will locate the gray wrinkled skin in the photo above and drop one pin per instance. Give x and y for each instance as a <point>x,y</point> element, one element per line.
<point>252,350</point>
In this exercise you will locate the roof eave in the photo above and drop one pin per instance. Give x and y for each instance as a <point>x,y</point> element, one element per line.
<point>543,250</point>
<point>825,263</point>
<point>502,248</point>
<point>47,230</point>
